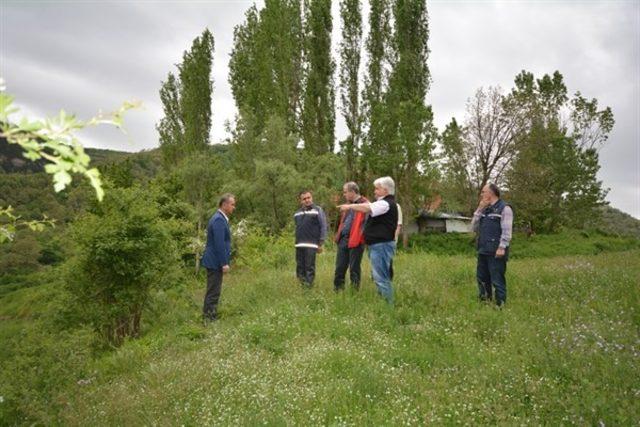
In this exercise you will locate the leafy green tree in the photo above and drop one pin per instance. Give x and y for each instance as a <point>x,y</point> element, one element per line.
<point>274,142</point>
<point>21,256</point>
<point>274,193</point>
<point>122,252</point>
<point>274,176</point>
<point>170,128</point>
<point>202,176</point>
<point>245,143</point>
<point>318,109</point>
<point>265,69</point>
<point>553,181</point>
<point>120,174</point>
<point>459,193</point>
<point>196,87</point>
<point>350,47</point>
<point>378,49</point>
<point>481,150</point>
<point>405,149</point>
<point>324,175</point>
<point>186,101</point>
<point>590,126</point>
<point>179,216</point>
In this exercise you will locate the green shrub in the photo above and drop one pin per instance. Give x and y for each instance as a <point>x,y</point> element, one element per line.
<point>255,248</point>
<point>123,251</point>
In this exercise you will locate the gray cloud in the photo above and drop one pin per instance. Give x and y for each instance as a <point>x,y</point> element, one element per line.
<point>82,56</point>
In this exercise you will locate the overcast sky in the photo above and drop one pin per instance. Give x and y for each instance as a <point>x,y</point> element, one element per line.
<point>88,55</point>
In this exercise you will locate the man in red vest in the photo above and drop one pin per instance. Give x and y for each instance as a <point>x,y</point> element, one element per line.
<point>350,240</point>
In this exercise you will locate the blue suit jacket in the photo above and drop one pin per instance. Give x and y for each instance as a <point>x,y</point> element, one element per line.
<point>217,252</point>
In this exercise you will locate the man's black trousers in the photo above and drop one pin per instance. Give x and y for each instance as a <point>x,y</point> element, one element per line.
<point>351,259</point>
<point>306,265</point>
<point>212,296</point>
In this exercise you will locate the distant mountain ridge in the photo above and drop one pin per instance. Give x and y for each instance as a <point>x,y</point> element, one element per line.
<point>615,221</point>
<point>12,160</point>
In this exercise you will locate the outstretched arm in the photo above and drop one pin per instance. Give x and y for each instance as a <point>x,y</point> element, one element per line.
<point>358,207</point>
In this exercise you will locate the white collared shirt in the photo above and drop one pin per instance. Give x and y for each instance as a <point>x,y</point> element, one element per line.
<point>223,214</point>
<point>379,207</point>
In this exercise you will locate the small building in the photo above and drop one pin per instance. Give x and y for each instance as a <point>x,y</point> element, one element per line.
<point>429,222</point>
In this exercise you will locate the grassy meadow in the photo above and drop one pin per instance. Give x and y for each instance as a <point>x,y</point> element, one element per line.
<point>565,350</point>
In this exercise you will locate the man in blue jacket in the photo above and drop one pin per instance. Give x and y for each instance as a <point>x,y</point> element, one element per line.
<point>217,254</point>
<point>493,221</point>
<point>311,232</point>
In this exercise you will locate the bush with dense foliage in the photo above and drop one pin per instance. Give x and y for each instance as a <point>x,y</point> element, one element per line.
<point>123,251</point>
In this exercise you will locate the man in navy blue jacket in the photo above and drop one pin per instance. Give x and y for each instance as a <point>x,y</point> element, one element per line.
<point>493,221</point>
<point>311,232</point>
<point>217,254</point>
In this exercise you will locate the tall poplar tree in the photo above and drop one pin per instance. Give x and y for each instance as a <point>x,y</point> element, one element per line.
<point>265,69</point>
<point>170,127</point>
<point>405,149</point>
<point>349,88</point>
<point>186,102</point>
<point>318,109</point>
<point>377,46</point>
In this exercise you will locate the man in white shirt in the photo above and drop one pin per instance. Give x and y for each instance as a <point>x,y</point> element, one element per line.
<point>380,233</point>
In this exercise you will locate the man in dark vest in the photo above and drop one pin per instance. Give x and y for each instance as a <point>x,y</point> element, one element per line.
<point>350,239</point>
<point>217,254</point>
<point>380,232</point>
<point>311,232</point>
<point>493,221</point>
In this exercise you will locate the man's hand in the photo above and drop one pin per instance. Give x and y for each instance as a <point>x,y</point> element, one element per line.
<point>343,208</point>
<point>500,253</point>
<point>225,268</point>
<point>482,205</point>
<point>319,249</point>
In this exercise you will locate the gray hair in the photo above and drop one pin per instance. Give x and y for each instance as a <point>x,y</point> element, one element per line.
<point>352,186</point>
<point>494,189</point>
<point>225,198</point>
<point>387,183</point>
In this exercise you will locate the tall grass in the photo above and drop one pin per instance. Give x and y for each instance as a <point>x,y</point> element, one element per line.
<point>565,350</point>
<point>568,242</point>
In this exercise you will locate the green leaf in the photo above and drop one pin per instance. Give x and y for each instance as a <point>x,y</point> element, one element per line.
<point>32,155</point>
<point>51,168</point>
<point>60,180</point>
<point>30,144</point>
